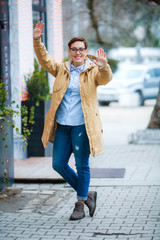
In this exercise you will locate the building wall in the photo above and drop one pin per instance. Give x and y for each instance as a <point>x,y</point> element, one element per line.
<point>54,32</point>
<point>21,58</point>
<point>21,45</point>
<point>22,53</point>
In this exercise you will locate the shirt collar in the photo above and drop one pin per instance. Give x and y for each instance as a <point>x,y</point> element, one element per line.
<point>79,69</point>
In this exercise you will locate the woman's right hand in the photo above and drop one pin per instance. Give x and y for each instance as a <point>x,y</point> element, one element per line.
<point>37,32</point>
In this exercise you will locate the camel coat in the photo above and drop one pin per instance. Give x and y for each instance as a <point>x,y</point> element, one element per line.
<point>89,80</point>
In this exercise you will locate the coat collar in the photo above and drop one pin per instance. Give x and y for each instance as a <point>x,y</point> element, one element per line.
<point>88,64</point>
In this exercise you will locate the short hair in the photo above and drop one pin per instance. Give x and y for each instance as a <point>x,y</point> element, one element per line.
<point>76,39</point>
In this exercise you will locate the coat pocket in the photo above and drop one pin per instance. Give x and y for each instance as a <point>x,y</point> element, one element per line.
<point>57,85</point>
<point>56,88</point>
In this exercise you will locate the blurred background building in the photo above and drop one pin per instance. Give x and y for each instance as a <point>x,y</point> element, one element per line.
<point>17,20</point>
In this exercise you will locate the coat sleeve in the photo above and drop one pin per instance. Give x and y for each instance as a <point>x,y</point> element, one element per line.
<point>104,75</point>
<point>44,58</point>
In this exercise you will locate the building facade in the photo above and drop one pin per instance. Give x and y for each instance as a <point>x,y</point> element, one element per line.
<point>17,57</point>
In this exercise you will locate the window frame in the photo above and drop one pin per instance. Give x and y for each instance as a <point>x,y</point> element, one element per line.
<point>41,9</point>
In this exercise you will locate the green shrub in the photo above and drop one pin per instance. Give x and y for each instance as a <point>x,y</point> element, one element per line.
<point>113,64</point>
<point>37,84</point>
<point>7,114</point>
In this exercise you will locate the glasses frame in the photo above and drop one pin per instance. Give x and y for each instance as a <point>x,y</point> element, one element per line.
<point>77,50</point>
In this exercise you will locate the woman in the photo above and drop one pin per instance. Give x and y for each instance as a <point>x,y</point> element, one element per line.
<point>73,121</point>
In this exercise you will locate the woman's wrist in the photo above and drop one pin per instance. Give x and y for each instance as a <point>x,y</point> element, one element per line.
<point>103,66</point>
<point>36,39</point>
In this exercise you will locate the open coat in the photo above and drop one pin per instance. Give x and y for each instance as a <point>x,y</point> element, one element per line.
<point>89,80</point>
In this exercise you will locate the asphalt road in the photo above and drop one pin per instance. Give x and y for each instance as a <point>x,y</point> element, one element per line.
<point>118,122</point>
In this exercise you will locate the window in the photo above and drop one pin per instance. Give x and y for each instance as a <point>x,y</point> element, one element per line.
<point>39,13</point>
<point>157,72</point>
<point>152,73</point>
<point>38,2</point>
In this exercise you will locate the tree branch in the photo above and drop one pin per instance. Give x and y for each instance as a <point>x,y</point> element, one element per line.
<point>156,1</point>
<point>150,1</point>
<point>90,5</point>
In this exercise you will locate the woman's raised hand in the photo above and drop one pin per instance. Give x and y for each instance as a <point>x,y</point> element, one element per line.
<point>37,32</point>
<point>101,61</point>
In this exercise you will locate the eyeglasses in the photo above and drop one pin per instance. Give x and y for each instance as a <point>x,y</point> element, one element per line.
<point>75,50</point>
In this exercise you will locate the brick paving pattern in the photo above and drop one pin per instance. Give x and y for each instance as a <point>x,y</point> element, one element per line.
<point>123,212</point>
<point>127,208</point>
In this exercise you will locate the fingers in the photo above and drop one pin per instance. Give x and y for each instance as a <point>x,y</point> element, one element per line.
<point>40,25</point>
<point>101,53</point>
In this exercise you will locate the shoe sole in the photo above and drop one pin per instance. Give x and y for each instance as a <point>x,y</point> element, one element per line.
<point>95,199</point>
<point>73,219</point>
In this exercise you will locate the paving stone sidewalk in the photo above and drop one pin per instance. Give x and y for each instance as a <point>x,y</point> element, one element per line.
<point>127,208</point>
<point>128,212</point>
<point>142,164</point>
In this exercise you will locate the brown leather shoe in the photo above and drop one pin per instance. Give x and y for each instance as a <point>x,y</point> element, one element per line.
<point>78,211</point>
<point>91,202</point>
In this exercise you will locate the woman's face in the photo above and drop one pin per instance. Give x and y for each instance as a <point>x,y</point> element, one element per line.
<point>78,53</point>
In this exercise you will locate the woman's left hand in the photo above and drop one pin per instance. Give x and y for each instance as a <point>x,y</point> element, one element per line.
<point>102,60</point>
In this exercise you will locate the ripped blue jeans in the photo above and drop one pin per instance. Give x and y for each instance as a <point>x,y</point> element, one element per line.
<point>74,139</point>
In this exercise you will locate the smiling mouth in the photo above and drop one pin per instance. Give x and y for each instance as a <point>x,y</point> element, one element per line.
<point>77,57</point>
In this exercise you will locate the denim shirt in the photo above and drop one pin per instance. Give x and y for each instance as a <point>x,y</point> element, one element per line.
<point>70,111</point>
